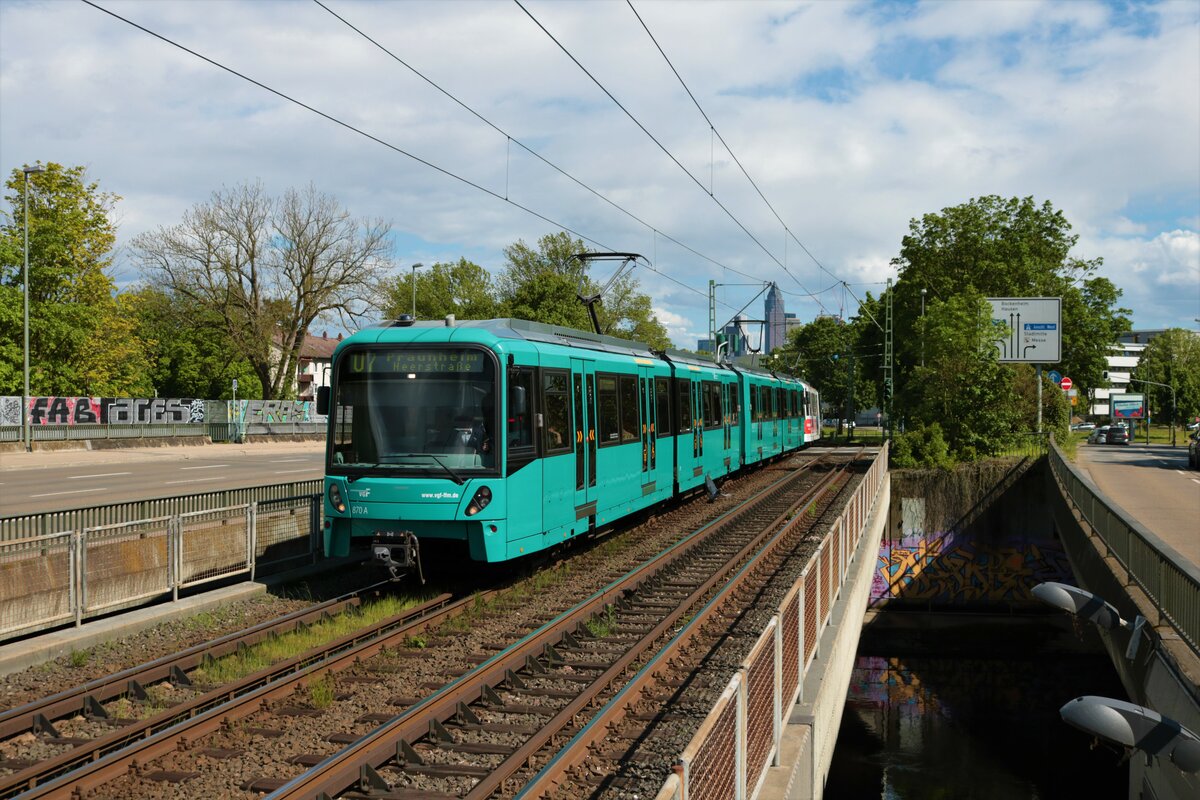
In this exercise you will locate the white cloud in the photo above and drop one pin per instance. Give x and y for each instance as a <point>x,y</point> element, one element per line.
<point>1050,99</point>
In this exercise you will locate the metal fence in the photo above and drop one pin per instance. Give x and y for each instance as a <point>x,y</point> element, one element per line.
<point>24,526</point>
<point>730,753</point>
<point>1168,579</point>
<point>75,433</point>
<point>47,580</point>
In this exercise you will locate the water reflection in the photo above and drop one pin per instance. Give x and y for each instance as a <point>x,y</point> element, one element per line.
<point>925,728</point>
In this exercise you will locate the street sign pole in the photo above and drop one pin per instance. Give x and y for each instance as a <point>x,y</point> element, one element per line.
<point>1039,400</point>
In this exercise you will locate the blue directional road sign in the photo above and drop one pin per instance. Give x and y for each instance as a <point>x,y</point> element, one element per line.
<point>1034,329</point>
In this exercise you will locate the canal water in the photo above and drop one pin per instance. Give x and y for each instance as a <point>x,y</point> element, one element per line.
<point>977,721</point>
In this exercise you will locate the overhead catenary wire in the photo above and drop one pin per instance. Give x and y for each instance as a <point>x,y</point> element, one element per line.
<point>788,231</point>
<point>671,155</point>
<point>372,137</point>
<point>514,140</point>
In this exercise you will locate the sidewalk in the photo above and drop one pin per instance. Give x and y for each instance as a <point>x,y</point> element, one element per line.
<point>43,459</point>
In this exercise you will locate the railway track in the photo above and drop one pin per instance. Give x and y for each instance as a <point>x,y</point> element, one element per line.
<point>475,738</point>
<point>126,738</point>
<point>470,737</point>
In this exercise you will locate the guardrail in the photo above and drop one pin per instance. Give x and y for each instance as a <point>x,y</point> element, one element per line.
<point>1167,578</point>
<point>25,526</point>
<point>77,574</point>
<point>740,739</point>
<point>216,431</point>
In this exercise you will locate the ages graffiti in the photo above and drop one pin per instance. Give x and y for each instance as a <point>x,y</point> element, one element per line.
<point>957,571</point>
<point>103,411</point>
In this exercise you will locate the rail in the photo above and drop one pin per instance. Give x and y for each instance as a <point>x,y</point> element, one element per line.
<point>740,739</point>
<point>1169,581</point>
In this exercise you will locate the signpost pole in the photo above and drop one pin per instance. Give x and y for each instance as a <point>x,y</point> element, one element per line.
<point>1039,400</point>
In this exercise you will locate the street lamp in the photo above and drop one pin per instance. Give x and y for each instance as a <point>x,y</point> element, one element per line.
<point>415,267</point>
<point>25,398</point>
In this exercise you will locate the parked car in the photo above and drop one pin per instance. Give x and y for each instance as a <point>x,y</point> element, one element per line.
<point>1098,435</point>
<point>1116,435</point>
<point>1194,450</point>
<point>1084,426</point>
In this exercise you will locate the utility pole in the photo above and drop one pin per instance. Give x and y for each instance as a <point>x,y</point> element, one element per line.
<point>888,385</point>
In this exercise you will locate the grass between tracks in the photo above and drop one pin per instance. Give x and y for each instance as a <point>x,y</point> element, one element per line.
<point>280,648</point>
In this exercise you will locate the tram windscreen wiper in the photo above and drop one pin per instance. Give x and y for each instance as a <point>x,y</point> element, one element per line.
<point>453,475</point>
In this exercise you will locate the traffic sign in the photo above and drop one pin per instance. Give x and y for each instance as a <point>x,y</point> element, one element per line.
<point>1066,384</point>
<point>1055,376</point>
<point>1034,329</point>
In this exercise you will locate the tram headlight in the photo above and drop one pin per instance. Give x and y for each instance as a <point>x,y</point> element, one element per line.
<point>480,501</point>
<point>335,498</point>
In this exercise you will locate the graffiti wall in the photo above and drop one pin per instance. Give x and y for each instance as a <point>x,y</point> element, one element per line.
<point>103,411</point>
<point>256,412</point>
<point>964,539</point>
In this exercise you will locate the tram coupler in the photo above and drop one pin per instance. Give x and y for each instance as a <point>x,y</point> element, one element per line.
<point>398,552</point>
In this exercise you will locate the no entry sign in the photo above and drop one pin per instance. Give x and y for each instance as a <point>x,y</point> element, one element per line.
<point>1066,384</point>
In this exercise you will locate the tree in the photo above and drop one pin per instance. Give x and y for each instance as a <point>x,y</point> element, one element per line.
<point>269,268</point>
<point>1173,359</point>
<point>80,337</point>
<point>191,355</point>
<point>961,386</point>
<point>1006,248</point>
<point>463,289</point>
<point>543,285</point>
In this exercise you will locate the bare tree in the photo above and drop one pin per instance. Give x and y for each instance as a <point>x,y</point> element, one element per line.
<point>270,268</point>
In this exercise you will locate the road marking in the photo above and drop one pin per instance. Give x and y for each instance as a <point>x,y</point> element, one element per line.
<point>287,460</point>
<point>102,475</point>
<point>290,471</point>
<point>210,466</point>
<point>195,480</point>
<point>1184,474</point>
<point>1194,480</point>
<point>74,491</point>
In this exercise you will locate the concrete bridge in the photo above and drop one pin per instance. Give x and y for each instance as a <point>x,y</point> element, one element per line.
<point>982,541</point>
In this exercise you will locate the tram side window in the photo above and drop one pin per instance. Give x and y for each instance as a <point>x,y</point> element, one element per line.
<point>662,406</point>
<point>606,399</point>
<point>712,405</point>
<point>630,425</point>
<point>683,394</point>
<point>556,402</point>
<point>732,411</point>
<point>520,408</point>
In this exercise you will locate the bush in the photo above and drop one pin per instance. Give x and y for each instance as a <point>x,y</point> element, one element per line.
<point>923,447</point>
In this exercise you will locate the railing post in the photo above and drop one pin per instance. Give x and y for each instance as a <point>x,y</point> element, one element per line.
<point>76,579</point>
<point>175,535</point>
<point>252,535</point>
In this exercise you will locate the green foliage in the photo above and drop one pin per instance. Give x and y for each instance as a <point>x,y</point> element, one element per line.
<point>827,353</point>
<point>463,289</point>
<point>81,337</point>
<point>190,354</point>
<point>922,448</point>
<point>1007,248</point>
<point>961,386</point>
<point>1173,359</point>
<point>543,285</point>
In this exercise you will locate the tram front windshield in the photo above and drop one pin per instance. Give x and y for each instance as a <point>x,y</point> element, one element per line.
<point>420,411</point>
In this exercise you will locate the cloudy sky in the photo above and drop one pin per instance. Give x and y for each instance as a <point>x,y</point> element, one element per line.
<point>851,119</point>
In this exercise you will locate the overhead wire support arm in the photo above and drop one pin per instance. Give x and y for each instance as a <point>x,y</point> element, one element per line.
<point>591,300</point>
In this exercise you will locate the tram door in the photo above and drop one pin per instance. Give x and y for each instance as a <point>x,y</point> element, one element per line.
<point>646,406</point>
<point>583,415</point>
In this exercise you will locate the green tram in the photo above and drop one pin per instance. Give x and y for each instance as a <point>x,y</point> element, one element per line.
<point>505,437</point>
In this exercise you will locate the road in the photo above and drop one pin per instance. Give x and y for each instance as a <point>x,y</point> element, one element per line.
<point>52,481</point>
<point>1154,484</point>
